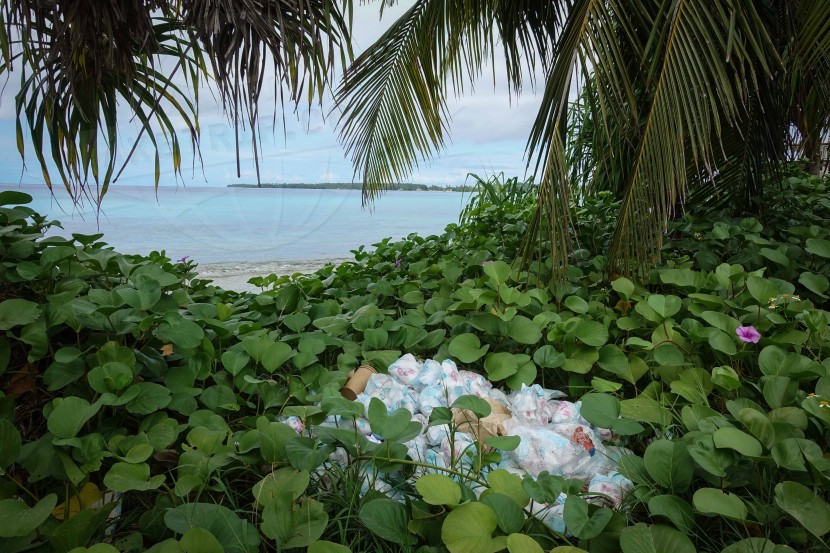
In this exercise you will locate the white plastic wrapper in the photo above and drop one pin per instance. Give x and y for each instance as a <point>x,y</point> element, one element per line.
<point>375,383</point>
<point>432,397</point>
<point>423,419</point>
<point>371,482</point>
<point>541,449</point>
<point>394,394</point>
<point>360,423</point>
<point>462,445</point>
<point>417,448</point>
<point>554,436</point>
<point>339,456</point>
<point>569,450</point>
<point>533,404</point>
<point>565,411</point>
<point>476,384</point>
<point>451,378</point>
<point>554,517</point>
<point>501,397</point>
<point>436,434</point>
<point>405,370</point>
<point>436,458</point>
<point>296,424</point>
<point>511,466</point>
<point>431,374</point>
<point>409,402</point>
<point>614,485</point>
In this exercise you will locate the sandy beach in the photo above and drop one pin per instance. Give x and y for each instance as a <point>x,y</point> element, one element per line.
<point>235,276</point>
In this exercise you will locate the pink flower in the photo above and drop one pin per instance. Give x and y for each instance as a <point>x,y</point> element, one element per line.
<point>748,334</point>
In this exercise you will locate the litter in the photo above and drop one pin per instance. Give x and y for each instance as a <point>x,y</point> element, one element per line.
<point>357,381</point>
<point>554,435</point>
<point>466,421</point>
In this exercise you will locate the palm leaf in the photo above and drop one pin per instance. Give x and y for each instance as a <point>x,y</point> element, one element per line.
<point>79,59</point>
<point>695,88</point>
<point>587,44</point>
<point>813,40</point>
<point>298,39</point>
<point>809,67</point>
<point>393,97</point>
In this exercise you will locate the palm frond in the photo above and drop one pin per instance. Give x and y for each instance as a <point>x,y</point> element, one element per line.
<point>813,40</point>
<point>550,227</point>
<point>79,59</point>
<point>748,158</point>
<point>706,75</point>
<point>588,43</point>
<point>527,30</point>
<point>76,61</point>
<point>808,64</point>
<point>393,96</point>
<point>678,100</point>
<point>299,39</point>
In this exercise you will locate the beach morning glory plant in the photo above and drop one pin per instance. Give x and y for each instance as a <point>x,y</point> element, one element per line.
<point>748,334</point>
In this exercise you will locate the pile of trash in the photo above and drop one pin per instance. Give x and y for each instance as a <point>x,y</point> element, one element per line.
<point>554,436</point>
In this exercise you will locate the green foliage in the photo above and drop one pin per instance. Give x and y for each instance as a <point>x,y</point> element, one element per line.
<point>694,103</point>
<point>89,59</point>
<point>437,489</point>
<point>174,394</point>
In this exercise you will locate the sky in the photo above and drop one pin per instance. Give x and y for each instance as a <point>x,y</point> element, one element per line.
<point>489,129</point>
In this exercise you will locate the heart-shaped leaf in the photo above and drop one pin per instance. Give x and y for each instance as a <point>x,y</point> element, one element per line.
<point>803,505</point>
<point>642,538</point>
<point>437,489</point>
<point>712,501</point>
<point>467,348</point>
<point>388,519</point>
<point>580,523</point>
<point>18,519</point>
<point>69,416</point>
<point>469,528</point>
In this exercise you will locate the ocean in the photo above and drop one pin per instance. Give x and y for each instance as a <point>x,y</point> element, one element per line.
<point>236,233</point>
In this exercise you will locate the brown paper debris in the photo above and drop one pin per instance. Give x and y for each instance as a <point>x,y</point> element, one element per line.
<point>466,421</point>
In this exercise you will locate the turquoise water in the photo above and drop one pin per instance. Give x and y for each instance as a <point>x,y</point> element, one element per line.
<point>253,231</point>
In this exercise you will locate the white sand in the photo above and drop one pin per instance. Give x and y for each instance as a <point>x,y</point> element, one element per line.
<point>235,276</point>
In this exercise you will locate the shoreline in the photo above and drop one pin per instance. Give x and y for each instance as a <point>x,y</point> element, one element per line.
<point>234,275</point>
<point>400,187</point>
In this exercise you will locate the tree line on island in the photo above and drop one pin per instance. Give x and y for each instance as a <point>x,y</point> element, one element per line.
<point>664,104</point>
<point>398,186</point>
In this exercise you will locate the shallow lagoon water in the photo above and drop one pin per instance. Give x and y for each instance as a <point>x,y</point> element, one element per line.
<point>236,233</point>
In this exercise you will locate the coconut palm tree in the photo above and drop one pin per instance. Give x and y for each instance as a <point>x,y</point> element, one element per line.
<point>78,59</point>
<point>676,101</point>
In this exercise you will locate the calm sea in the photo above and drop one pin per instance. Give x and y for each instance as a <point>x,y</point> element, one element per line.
<point>246,231</point>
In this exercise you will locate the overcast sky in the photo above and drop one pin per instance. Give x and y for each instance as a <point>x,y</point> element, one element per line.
<point>488,134</point>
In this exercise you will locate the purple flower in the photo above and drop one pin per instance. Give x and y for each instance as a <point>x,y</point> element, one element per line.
<point>397,263</point>
<point>183,259</point>
<point>748,334</point>
<point>488,262</point>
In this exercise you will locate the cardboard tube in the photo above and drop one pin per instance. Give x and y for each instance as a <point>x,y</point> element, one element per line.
<point>357,383</point>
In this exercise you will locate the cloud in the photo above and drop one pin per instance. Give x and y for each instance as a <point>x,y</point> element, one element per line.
<point>487,118</point>
<point>489,128</point>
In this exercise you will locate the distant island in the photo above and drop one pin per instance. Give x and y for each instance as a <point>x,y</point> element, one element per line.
<point>355,186</point>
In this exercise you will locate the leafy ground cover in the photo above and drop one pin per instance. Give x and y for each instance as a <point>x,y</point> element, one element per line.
<point>143,407</point>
